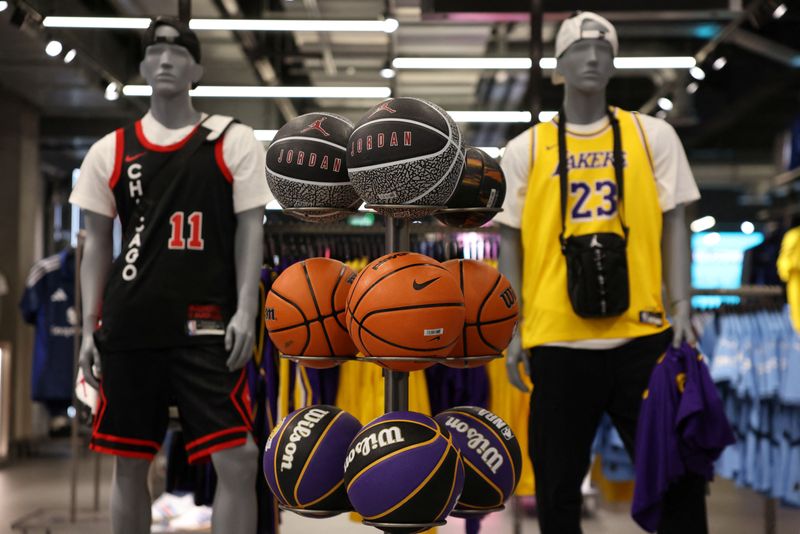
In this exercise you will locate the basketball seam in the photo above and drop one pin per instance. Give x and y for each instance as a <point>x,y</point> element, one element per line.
<point>316,306</point>
<point>409,421</point>
<point>488,481</point>
<point>416,490</point>
<point>384,277</point>
<point>463,328</point>
<point>318,319</point>
<point>453,485</point>
<point>308,182</point>
<point>493,431</point>
<point>442,178</point>
<point>342,272</point>
<point>298,308</point>
<point>493,321</point>
<point>379,166</point>
<point>275,457</point>
<point>308,459</point>
<point>388,456</point>
<point>446,116</point>
<point>480,311</point>
<point>379,338</point>
<point>310,139</point>
<point>409,121</point>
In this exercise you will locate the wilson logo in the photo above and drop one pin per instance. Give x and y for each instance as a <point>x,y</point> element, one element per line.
<point>373,442</point>
<point>477,442</point>
<point>300,431</point>
<point>509,297</point>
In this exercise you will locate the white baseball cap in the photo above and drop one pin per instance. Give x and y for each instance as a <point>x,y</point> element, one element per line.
<point>571,31</point>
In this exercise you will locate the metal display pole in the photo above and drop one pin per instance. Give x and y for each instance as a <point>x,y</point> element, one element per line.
<point>395,383</point>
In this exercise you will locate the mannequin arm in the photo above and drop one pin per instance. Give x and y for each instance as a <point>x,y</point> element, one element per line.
<point>95,265</point>
<point>248,252</point>
<point>510,264</point>
<point>677,262</point>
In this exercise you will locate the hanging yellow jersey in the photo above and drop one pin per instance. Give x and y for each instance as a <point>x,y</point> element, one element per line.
<point>789,271</point>
<point>592,207</point>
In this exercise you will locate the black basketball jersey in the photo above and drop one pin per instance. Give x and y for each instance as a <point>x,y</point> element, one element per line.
<point>174,282</point>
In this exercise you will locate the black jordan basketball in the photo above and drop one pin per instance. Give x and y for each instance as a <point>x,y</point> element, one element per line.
<point>482,185</point>
<point>306,165</point>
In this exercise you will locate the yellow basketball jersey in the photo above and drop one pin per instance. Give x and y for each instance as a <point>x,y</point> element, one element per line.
<point>592,207</point>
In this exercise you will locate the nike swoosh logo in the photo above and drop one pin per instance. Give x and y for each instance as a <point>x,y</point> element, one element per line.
<point>437,338</point>
<point>131,159</point>
<point>423,285</point>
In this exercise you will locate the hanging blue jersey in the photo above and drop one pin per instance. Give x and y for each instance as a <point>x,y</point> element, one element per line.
<point>792,462</point>
<point>49,304</point>
<point>790,381</point>
<point>724,366</point>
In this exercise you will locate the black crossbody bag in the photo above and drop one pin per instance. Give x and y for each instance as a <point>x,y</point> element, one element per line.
<point>597,264</point>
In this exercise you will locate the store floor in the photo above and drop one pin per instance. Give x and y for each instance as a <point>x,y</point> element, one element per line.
<point>42,483</point>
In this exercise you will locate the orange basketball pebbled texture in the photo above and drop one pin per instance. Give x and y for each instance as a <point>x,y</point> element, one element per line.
<point>305,311</point>
<point>405,305</point>
<point>491,309</point>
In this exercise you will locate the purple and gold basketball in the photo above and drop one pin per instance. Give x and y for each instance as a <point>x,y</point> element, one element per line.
<point>403,468</point>
<point>490,452</point>
<point>304,456</point>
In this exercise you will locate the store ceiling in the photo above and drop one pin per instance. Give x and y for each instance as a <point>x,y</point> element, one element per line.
<point>734,117</point>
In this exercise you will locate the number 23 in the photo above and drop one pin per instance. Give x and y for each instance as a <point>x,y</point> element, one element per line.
<point>607,189</point>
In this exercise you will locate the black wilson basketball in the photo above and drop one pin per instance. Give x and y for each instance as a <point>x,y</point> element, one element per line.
<point>306,165</point>
<point>405,151</point>
<point>482,185</point>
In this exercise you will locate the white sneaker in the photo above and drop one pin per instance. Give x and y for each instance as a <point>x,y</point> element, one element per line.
<point>195,519</point>
<point>169,506</point>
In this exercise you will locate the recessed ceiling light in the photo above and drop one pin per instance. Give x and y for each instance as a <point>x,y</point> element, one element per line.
<point>692,88</point>
<point>53,48</point>
<point>70,55</point>
<point>779,11</point>
<point>697,73</point>
<point>3,6</point>
<point>112,91</point>
<point>665,103</point>
<point>720,63</point>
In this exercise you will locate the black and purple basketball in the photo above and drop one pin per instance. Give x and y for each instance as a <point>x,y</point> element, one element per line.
<point>482,185</point>
<point>403,468</point>
<point>491,456</point>
<point>306,165</point>
<point>304,456</point>
<point>405,151</point>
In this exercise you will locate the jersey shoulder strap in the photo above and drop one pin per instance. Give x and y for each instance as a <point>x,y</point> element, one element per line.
<point>218,125</point>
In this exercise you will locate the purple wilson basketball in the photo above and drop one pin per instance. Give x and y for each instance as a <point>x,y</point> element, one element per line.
<point>304,456</point>
<point>403,468</point>
<point>491,455</point>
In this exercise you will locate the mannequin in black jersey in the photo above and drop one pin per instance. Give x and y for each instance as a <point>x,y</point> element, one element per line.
<point>171,70</point>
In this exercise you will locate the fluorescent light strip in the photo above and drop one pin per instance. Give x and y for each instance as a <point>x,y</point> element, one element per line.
<point>258,25</point>
<point>253,91</point>
<point>491,116</point>
<point>523,63</point>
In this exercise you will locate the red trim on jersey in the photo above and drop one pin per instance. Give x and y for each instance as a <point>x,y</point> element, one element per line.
<point>119,452</point>
<point>128,441</point>
<point>199,456</point>
<point>102,412</point>
<point>209,437</point>
<point>246,420</point>
<point>118,151</point>
<point>226,172</point>
<point>161,148</point>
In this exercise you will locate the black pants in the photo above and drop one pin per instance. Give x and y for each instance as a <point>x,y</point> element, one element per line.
<point>572,389</point>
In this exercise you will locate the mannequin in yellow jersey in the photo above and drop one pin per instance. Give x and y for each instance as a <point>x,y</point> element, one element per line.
<point>582,367</point>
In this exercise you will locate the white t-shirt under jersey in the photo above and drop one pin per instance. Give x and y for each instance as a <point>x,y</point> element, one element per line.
<point>674,181</point>
<point>243,155</point>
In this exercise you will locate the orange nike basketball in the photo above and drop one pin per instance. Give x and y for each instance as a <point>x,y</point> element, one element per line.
<point>405,305</point>
<point>491,311</point>
<point>305,311</point>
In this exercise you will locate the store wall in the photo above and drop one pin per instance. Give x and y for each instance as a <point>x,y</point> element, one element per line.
<point>21,242</point>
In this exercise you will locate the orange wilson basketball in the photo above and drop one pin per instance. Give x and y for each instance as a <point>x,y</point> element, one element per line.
<point>405,305</point>
<point>305,311</point>
<point>491,311</point>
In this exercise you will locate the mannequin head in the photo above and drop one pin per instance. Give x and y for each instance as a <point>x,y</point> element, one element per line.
<point>171,60</point>
<point>588,63</point>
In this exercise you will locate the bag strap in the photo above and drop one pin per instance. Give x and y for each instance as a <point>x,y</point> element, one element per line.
<point>563,170</point>
<point>164,176</point>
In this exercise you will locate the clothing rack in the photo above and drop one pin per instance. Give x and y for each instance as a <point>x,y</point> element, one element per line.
<point>752,291</point>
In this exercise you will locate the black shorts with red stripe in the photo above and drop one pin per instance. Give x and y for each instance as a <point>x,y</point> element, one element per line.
<point>138,387</point>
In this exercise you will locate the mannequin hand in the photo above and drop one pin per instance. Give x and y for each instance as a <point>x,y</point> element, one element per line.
<point>515,354</point>
<point>239,339</point>
<point>682,323</point>
<point>89,361</point>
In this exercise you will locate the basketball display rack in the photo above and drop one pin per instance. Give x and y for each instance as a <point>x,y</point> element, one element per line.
<point>397,235</point>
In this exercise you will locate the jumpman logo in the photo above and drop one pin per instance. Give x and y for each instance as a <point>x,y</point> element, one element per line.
<point>384,107</point>
<point>316,125</point>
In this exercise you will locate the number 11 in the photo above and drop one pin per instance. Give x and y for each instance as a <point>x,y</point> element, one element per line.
<point>177,241</point>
